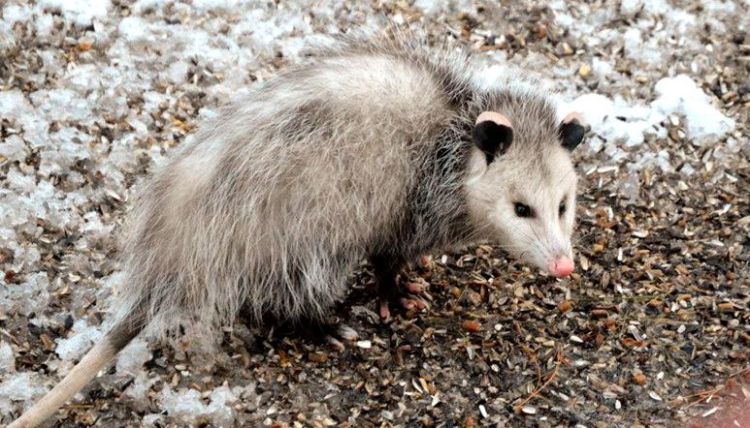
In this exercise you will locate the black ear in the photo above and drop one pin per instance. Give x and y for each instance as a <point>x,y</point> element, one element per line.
<point>491,138</point>
<point>571,134</point>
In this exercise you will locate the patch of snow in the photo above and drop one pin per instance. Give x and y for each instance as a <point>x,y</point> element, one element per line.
<point>506,76</point>
<point>82,338</point>
<point>133,357</point>
<point>429,7</point>
<point>721,6</point>
<point>682,21</point>
<point>151,419</point>
<point>682,95</point>
<point>138,390</point>
<point>63,105</point>
<point>14,13</point>
<point>153,101</point>
<point>630,7</point>
<point>207,5</point>
<point>593,108</point>
<point>135,30</point>
<point>44,24</point>
<point>83,78</point>
<point>186,405</point>
<point>7,37</point>
<point>94,229</point>
<point>17,388</point>
<point>7,358</point>
<point>177,72</point>
<point>648,159</point>
<point>656,7</point>
<point>15,107</point>
<point>13,148</point>
<point>687,169</point>
<point>13,104</point>
<point>619,121</point>
<point>20,182</point>
<point>69,146</point>
<point>633,42</point>
<point>142,6</point>
<point>80,12</point>
<point>32,294</point>
<point>601,68</point>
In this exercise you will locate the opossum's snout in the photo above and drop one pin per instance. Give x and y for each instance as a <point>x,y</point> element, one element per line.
<point>551,253</point>
<point>561,267</point>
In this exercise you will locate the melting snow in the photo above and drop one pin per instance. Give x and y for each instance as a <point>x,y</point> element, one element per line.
<point>81,12</point>
<point>7,359</point>
<point>214,4</point>
<point>17,388</point>
<point>682,96</point>
<point>188,406</point>
<point>133,357</point>
<point>620,121</point>
<point>81,340</point>
<point>26,297</point>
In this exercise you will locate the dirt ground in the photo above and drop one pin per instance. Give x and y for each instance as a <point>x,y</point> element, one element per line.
<point>653,329</point>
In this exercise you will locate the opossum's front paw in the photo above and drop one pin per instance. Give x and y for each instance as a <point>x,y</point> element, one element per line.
<point>408,305</point>
<point>411,298</point>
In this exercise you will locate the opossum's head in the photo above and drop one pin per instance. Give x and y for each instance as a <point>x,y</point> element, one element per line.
<point>521,187</point>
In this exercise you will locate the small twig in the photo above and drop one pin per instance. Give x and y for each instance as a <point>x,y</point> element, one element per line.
<point>702,399</point>
<point>742,372</point>
<point>703,396</point>
<point>549,380</point>
<point>709,393</point>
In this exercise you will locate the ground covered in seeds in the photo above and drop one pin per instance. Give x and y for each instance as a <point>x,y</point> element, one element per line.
<point>651,330</point>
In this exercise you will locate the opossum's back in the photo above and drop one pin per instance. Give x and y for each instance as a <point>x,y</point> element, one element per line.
<point>326,151</point>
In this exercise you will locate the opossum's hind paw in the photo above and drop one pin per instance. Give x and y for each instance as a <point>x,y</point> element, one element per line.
<point>328,332</point>
<point>334,334</point>
<point>339,332</point>
<point>384,310</point>
<point>346,332</point>
<point>312,330</point>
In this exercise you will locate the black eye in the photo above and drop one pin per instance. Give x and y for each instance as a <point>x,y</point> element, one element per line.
<point>562,208</point>
<point>523,210</point>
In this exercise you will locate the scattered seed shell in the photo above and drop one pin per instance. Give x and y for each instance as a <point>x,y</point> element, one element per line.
<point>472,326</point>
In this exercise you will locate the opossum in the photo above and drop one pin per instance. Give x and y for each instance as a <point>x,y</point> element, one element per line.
<point>380,149</point>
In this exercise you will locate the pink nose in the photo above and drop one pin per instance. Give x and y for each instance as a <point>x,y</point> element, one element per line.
<point>561,267</point>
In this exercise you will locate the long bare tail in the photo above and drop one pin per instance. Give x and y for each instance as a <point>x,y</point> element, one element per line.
<point>96,359</point>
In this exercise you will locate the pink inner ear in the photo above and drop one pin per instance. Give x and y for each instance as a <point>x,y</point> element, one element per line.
<point>573,116</point>
<point>494,116</point>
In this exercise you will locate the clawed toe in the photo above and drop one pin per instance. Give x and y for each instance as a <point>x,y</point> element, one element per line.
<point>384,310</point>
<point>408,304</point>
<point>341,332</point>
<point>414,288</point>
<point>411,303</point>
<point>345,332</point>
